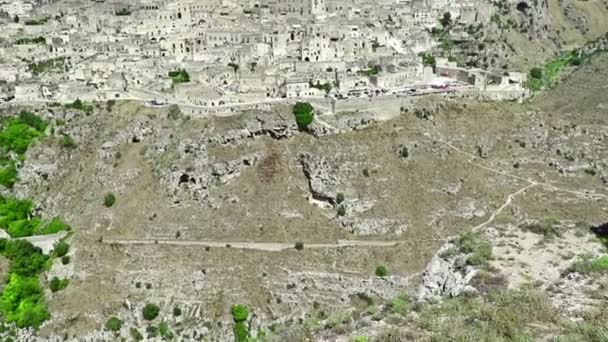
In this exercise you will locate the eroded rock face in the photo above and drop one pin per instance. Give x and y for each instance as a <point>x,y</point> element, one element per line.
<point>324,176</point>
<point>275,125</point>
<point>446,276</point>
<point>373,226</point>
<point>192,172</point>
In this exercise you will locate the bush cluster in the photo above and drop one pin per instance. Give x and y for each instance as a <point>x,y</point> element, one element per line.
<point>179,76</point>
<point>22,300</point>
<point>16,135</point>
<point>17,219</point>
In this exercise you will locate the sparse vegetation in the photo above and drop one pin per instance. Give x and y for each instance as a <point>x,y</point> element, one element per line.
<point>325,86</point>
<point>78,104</point>
<point>299,245</point>
<point>35,40</point>
<point>123,12</point>
<point>400,305</point>
<point>547,76</point>
<point>501,316</point>
<point>547,227</point>
<point>589,265</point>
<point>50,65</point>
<point>68,142</point>
<point>479,251</point>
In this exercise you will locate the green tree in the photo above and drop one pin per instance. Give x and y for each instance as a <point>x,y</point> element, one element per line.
<point>150,311</point>
<point>299,245</point>
<point>446,20</point>
<point>240,312</point>
<point>303,112</point>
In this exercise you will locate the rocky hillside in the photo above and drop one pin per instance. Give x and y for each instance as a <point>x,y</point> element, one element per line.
<point>356,230</point>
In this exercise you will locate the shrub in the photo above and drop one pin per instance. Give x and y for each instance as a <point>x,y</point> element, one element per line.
<point>179,76</point>
<point>240,312</point>
<point>68,142</point>
<point>381,271</point>
<point>123,12</point>
<point>536,73</point>
<point>165,332</point>
<point>109,200</point>
<point>177,311</point>
<point>32,120</point>
<point>57,284</point>
<point>78,104</point>
<point>113,324</point>
<point>341,210</point>
<point>61,249</point>
<point>174,112</point>
<point>65,259</point>
<point>136,335</point>
<point>339,198</point>
<point>55,226</point>
<point>480,251</point>
<point>152,331</point>
<point>303,112</point>
<point>17,136</point>
<point>150,311</point>
<point>400,305</point>
<point>299,245</point>
<point>588,265</point>
<point>241,332</point>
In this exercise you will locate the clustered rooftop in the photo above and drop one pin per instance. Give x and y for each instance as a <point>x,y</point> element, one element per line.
<point>216,53</point>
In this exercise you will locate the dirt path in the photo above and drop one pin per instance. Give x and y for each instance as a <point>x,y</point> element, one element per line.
<point>261,246</point>
<point>531,183</point>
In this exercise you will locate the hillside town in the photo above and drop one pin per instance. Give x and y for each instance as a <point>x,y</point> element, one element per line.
<point>219,55</point>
